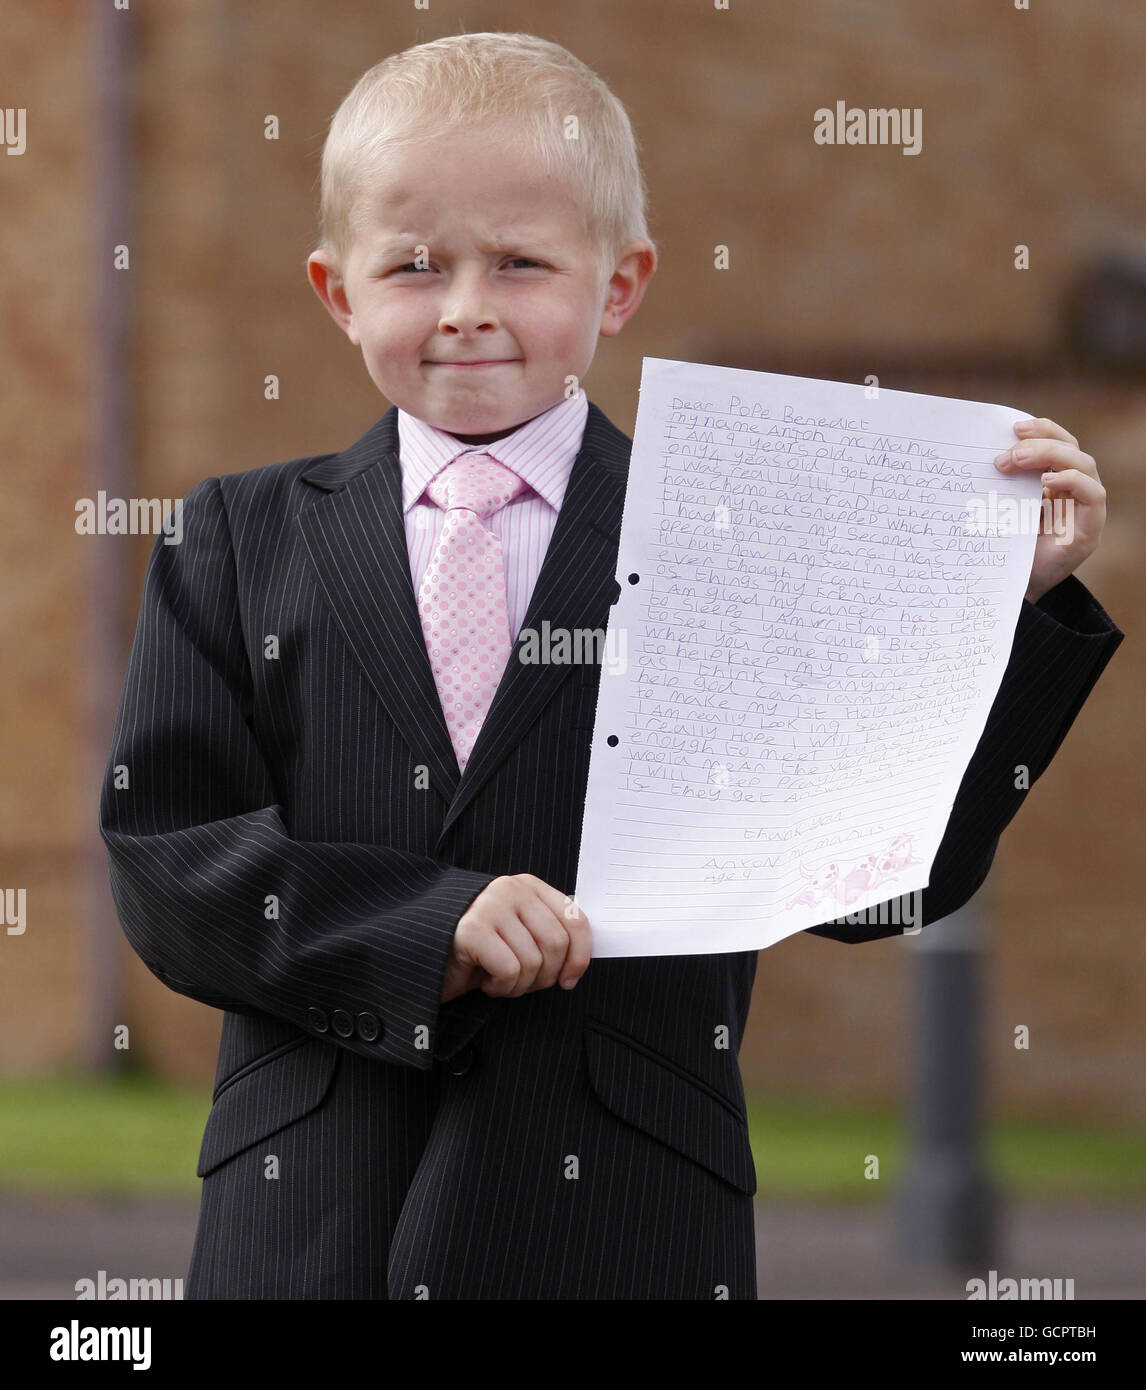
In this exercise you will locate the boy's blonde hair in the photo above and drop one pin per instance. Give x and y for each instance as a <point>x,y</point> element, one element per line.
<point>466,80</point>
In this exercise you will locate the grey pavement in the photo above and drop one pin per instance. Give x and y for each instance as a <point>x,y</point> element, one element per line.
<point>812,1251</point>
<point>805,1250</point>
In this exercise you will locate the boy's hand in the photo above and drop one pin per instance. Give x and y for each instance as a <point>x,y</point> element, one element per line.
<point>519,934</point>
<point>1071,475</point>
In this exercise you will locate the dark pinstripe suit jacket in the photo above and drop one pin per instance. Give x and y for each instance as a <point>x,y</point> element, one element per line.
<point>294,846</point>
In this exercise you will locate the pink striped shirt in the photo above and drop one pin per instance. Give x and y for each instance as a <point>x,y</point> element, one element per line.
<point>541,451</point>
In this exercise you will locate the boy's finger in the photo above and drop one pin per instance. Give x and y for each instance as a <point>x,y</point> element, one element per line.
<point>578,930</point>
<point>498,960</point>
<point>1028,429</point>
<point>526,951</point>
<point>579,938</point>
<point>559,903</point>
<point>551,938</point>
<point>1046,454</point>
<point>579,955</point>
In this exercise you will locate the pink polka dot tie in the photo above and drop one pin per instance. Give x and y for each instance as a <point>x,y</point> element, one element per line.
<point>465,618</point>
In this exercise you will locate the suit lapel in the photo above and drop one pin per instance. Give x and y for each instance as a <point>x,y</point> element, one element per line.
<point>355,538</point>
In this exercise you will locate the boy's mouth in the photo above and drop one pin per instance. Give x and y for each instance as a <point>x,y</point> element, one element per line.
<point>470,366</point>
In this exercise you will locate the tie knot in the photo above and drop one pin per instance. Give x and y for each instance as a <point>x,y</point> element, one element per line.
<point>475,482</point>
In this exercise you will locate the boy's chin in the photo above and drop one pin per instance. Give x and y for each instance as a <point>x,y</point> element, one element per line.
<point>480,425</point>
<point>482,437</point>
<point>481,428</point>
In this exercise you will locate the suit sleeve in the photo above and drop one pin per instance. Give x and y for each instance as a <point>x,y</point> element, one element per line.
<point>213,894</point>
<point>1060,649</point>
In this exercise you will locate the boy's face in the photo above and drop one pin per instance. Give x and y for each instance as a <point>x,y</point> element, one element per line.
<point>511,300</point>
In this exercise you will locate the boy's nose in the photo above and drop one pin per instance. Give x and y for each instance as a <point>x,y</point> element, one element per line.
<point>467,318</point>
<point>467,305</point>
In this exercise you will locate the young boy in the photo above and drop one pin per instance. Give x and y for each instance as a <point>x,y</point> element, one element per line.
<point>339,808</point>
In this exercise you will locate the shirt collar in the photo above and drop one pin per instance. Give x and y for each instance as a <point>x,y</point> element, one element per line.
<point>541,451</point>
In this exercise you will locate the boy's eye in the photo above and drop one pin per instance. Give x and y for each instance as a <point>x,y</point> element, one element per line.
<point>513,260</point>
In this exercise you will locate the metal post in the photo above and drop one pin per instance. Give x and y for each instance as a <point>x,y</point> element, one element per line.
<point>948,1207</point>
<point>109,468</point>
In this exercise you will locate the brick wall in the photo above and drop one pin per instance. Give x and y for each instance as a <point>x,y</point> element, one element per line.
<point>1030,135</point>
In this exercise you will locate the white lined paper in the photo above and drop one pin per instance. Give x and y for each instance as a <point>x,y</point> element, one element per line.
<point>814,642</point>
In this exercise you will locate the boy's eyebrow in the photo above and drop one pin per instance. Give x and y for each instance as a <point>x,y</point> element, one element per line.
<point>400,246</point>
<point>518,240</point>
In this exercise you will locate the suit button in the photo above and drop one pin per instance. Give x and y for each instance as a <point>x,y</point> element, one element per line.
<point>318,1020</point>
<point>369,1028</point>
<point>342,1023</point>
<point>461,1062</point>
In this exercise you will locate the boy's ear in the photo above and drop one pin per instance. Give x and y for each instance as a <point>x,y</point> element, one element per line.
<point>326,280</point>
<point>627,286</point>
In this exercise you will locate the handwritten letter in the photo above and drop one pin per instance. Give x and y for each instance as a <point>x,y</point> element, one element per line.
<point>819,592</point>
